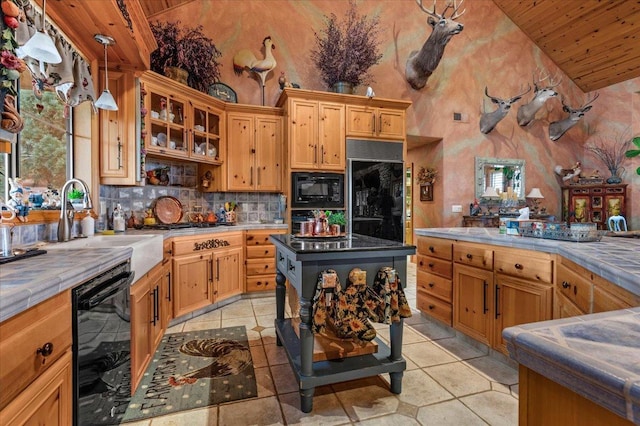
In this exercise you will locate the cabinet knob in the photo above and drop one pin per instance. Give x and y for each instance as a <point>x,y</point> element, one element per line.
<point>431,285</point>
<point>431,265</point>
<point>421,263</point>
<point>565,284</point>
<point>519,266</point>
<point>431,249</point>
<point>46,349</point>
<point>432,307</point>
<point>469,256</point>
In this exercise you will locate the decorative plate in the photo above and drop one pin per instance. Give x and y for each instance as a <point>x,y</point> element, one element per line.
<point>168,210</point>
<point>224,92</point>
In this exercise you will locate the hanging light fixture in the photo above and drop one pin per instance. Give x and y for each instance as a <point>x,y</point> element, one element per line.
<point>40,46</point>
<point>105,101</point>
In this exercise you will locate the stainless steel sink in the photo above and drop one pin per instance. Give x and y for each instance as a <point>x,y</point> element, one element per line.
<point>147,248</point>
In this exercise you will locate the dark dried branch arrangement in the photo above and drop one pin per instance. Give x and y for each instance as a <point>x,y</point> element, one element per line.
<point>346,50</point>
<point>612,154</point>
<point>186,48</point>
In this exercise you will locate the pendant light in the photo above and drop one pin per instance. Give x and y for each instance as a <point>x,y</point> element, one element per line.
<point>40,46</point>
<point>105,101</point>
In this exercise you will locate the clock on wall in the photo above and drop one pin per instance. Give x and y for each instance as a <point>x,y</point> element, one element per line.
<point>224,92</point>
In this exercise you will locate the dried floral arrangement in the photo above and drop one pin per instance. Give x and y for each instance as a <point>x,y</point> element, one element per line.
<point>346,50</point>
<point>612,154</point>
<point>427,175</point>
<point>186,48</point>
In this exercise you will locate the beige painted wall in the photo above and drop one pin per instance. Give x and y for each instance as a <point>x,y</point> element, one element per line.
<point>491,51</point>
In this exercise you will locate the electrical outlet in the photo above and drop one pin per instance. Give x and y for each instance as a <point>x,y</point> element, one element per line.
<point>460,117</point>
<point>456,208</point>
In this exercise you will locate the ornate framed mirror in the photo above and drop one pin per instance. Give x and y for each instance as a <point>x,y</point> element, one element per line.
<point>501,174</point>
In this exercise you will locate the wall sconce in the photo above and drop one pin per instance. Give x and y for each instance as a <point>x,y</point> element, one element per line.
<point>105,101</point>
<point>535,195</point>
<point>40,46</point>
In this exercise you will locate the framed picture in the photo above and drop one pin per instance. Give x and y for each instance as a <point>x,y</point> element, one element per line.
<point>426,192</point>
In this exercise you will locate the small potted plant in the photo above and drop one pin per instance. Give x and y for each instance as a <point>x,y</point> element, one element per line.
<point>336,220</point>
<point>346,50</point>
<point>75,197</point>
<point>187,49</point>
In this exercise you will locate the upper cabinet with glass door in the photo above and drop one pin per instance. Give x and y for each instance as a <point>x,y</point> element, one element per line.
<point>204,133</point>
<point>167,130</point>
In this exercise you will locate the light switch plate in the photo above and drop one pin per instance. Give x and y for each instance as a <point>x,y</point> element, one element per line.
<point>456,208</point>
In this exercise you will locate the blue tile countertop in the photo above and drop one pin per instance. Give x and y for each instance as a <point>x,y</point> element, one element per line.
<point>596,356</point>
<point>613,258</point>
<point>27,282</point>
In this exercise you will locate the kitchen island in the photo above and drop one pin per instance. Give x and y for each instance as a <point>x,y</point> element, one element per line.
<point>300,260</point>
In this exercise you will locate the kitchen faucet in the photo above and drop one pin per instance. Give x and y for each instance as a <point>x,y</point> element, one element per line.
<point>67,211</point>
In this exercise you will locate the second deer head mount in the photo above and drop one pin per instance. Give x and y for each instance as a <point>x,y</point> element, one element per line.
<point>421,63</point>
<point>489,120</point>
<point>541,94</point>
<point>559,128</point>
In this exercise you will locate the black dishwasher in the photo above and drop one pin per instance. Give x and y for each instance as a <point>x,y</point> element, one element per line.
<point>102,347</point>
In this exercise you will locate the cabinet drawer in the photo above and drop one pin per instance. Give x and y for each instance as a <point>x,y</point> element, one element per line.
<point>435,266</point>
<point>261,251</point>
<point>473,255</point>
<point>574,287</point>
<point>435,285</point>
<point>257,238</point>
<point>261,283</point>
<point>434,307</point>
<point>24,334</point>
<point>604,301</point>
<point>203,243</point>
<point>435,247</point>
<point>261,266</point>
<point>523,265</point>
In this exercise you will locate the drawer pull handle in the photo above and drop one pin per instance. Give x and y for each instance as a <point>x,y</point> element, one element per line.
<point>519,266</point>
<point>565,284</point>
<point>431,285</point>
<point>292,267</point>
<point>431,265</point>
<point>280,258</point>
<point>45,350</point>
<point>431,249</point>
<point>432,307</point>
<point>469,256</point>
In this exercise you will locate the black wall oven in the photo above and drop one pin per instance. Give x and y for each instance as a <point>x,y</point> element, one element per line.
<point>317,190</point>
<point>102,347</point>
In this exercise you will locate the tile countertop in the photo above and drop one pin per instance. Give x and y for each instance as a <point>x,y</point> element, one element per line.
<point>613,258</point>
<point>596,356</point>
<point>27,282</point>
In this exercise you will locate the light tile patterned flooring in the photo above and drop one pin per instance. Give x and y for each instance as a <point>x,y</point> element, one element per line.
<point>449,380</point>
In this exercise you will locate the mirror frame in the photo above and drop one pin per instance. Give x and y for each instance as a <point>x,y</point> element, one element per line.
<point>482,162</point>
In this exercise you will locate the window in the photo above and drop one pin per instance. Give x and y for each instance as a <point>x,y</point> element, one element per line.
<point>41,157</point>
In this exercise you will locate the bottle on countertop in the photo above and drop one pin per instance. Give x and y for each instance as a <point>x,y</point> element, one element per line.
<point>119,224</point>
<point>88,225</point>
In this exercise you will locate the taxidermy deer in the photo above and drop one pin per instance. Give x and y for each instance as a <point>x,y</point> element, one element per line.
<point>559,128</point>
<point>489,120</point>
<point>527,112</point>
<point>421,63</point>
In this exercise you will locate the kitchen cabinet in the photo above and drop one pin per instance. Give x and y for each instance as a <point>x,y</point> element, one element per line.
<point>260,255</point>
<point>35,365</point>
<point>372,122</point>
<point>206,269</point>
<point>433,278</point>
<point>254,151</point>
<point>117,133</point>
<point>593,203</point>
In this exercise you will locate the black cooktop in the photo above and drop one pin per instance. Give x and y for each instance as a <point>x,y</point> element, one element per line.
<point>181,225</point>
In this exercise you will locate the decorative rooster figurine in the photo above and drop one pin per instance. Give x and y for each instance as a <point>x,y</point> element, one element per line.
<point>245,59</point>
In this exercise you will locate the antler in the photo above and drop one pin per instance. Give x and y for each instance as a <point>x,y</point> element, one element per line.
<point>455,15</point>
<point>593,99</point>
<point>516,97</point>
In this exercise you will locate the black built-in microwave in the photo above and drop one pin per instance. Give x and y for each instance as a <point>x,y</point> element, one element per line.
<point>317,190</point>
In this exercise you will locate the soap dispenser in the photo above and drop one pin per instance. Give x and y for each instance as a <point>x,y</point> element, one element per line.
<point>118,219</point>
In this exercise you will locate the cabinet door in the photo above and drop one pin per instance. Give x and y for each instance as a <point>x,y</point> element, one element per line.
<point>156,295</point>
<point>118,133</point>
<point>166,305</point>
<point>473,303</point>
<point>391,124</point>
<point>361,121</point>
<point>47,401</point>
<point>241,152</point>
<point>331,136</point>
<point>228,279</point>
<point>268,155</point>
<point>140,331</point>
<point>519,302</point>
<point>165,123</point>
<point>303,137</point>
<point>564,308</point>
<point>193,279</point>
<point>205,135</point>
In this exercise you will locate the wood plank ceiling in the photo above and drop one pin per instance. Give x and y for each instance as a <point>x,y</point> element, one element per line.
<point>595,42</point>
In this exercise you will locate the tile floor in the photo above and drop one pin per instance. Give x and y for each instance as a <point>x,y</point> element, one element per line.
<point>449,380</point>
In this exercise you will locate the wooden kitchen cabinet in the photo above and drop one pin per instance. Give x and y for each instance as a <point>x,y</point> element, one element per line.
<point>254,151</point>
<point>379,123</point>
<point>433,278</point>
<point>593,203</point>
<point>206,269</point>
<point>260,270</point>
<point>473,302</point>
<point>117,133</point>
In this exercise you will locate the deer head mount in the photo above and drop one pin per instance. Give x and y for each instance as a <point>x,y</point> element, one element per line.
<point>421,63</point>
<point>489,120</point>
<point>559,128</point>
<point>541,94</point>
